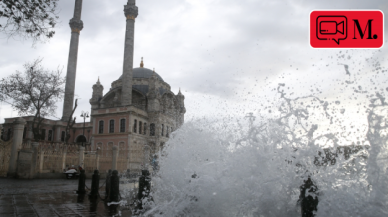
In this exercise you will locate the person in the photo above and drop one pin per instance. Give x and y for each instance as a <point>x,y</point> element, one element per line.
<point>309,204</point>
<point>79,168</point>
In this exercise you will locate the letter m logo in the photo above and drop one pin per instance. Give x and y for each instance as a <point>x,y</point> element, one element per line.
<point>357,27</point>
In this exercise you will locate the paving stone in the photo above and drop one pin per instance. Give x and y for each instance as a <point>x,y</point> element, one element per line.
<point>6,201</point>
<point>20,209</point>
<point>6,210</point>
<point>44,210</point>
<point>8,215</point>
<point>27,215</point>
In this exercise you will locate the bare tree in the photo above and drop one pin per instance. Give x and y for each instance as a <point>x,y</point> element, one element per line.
<point>34,19</point>
<point>34,92</point>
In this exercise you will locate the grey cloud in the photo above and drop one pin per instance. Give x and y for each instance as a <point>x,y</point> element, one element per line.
<point>214,47</point>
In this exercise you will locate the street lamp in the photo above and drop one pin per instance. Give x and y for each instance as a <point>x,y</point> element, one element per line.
<point>84,115</point>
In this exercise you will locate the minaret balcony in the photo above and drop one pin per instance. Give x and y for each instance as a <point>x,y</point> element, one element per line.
<point>131,11</point>
<point>76,25</point>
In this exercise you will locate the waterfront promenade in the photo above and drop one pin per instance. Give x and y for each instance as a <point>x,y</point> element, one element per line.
<point>51,197</point>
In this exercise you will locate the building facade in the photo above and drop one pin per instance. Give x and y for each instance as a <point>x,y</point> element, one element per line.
<point>137,114</point>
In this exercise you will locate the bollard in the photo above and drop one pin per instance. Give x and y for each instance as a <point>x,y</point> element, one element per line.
<point>308,204</point>
<point>114,187</point>
<point>144,184</point>
<point>95,184</point>
<point>144,187</point>
<point>107,183</point>
<point>81,183</point>
<point>93,206</point>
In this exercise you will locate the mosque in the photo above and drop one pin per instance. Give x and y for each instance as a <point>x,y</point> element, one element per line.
<point>137,114</point>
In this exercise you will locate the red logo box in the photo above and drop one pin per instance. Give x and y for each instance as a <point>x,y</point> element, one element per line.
<point>347,29</point>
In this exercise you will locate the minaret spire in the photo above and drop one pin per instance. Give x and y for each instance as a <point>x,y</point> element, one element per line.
<point>130,12</point>
<point>141,63</point>
<point>76,26</point>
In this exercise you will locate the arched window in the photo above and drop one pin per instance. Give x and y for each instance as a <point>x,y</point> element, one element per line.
<point>122,125</point>
<point>162,129</point>
<point>101,127</point>
<point>152,129</point>
<point>167,131</point>
<point>63,136</point>
<point>81,139</point>
<point>50,135</point>
<point>111,126</point>
<point>135,126</point>
<point>171,130</point>
<point>145,129</point>
<point>140,127</point>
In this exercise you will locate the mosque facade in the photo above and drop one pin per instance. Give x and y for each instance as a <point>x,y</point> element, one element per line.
<point>137,114</point>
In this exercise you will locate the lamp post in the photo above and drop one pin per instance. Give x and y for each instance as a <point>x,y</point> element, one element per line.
<point>84,115</point>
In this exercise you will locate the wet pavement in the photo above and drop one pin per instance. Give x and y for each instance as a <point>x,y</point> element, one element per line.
<point>52,197</point>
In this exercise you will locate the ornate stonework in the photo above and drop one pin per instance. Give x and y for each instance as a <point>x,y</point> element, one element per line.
<point>130,11</point>
<point>76,25</point>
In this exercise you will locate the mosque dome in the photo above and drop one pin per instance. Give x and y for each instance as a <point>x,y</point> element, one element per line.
<point>144,73</point>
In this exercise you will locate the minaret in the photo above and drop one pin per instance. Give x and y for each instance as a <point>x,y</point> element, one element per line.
<point>131,12</point>
<point>97,94</point>
<point>76,26</point>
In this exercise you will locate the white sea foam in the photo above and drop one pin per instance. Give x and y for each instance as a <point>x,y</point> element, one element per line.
<point>256,168</point>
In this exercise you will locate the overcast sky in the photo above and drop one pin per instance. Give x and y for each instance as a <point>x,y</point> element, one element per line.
<point>227,56</point>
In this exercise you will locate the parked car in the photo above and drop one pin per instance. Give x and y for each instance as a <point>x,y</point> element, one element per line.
<point>71,173</point>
